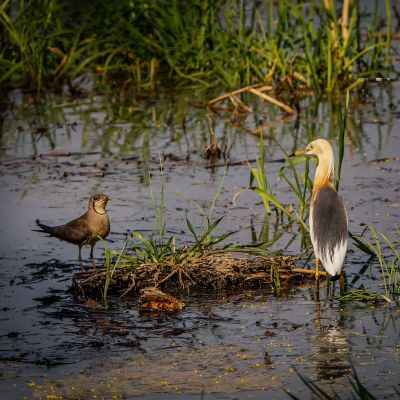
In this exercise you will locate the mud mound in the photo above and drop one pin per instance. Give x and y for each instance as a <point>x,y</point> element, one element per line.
<point>217,271</point>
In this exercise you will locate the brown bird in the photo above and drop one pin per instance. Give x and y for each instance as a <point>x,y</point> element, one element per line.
<point>85,230</point>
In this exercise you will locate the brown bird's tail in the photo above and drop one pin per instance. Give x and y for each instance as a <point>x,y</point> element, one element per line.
<point>44,228</point>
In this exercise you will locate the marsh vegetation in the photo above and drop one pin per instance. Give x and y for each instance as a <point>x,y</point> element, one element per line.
<point>185,114</point>
<point>319,47</point>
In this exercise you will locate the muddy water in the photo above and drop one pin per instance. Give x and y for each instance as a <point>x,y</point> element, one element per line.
<point>222,345</point>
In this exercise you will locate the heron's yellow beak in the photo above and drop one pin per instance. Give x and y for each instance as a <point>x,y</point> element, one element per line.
<point>300,152</point>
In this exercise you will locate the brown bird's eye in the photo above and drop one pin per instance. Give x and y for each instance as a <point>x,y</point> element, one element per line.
<point>95,198</point>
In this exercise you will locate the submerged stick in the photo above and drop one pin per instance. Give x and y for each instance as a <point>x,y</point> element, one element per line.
<point>264,96</point>
<point>242,162</point>
<point>303,271</point>
<point>68,153</point>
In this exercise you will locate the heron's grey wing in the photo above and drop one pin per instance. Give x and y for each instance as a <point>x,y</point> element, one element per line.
<point>329,229</point>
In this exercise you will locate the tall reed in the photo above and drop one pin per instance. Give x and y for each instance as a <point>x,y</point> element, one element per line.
<point>260,185</point>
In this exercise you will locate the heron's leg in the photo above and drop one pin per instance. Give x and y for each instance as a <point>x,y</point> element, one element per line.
<point>330,287</point>
<point>80,257</point>
<point>342,284</point>
<point>316,269</point>
<point>317,306</point>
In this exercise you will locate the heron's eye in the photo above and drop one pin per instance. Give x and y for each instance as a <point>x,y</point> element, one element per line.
<point>95,198</point>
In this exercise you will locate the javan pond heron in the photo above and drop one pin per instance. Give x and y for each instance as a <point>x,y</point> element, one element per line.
<point>328,217</point>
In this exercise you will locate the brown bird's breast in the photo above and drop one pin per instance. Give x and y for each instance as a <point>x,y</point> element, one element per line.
<point>99,227</point>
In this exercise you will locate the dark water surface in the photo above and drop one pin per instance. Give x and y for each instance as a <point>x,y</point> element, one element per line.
<point>232,345</point>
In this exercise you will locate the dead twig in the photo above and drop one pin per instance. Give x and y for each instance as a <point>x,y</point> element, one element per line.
<point>272,100</point>
<point>212,151</point>
<point>304,271</point>
<point>237,103</point>
<point>261,88</point>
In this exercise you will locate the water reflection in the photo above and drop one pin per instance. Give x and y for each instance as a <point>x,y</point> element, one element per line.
<point>115,121</point>
<point>332,353</point>
<point>331,347</point>
<point>123,136</point>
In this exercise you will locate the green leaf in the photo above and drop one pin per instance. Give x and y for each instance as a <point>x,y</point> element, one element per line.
<point>191,228</point>
<point>364,246</point>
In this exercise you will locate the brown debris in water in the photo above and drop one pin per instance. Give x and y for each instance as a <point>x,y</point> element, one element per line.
<point>212,270</point>
<point>154,299</point>
<point>91,304</point>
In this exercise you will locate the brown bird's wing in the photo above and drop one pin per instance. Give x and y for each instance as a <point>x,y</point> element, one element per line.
<point>44,228</point>
<point>76,231</point>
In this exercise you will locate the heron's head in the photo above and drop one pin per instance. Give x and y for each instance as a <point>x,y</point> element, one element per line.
<point>98,203</point>
<point>316,148</point>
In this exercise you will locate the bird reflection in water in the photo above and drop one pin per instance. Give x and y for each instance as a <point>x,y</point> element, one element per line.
<point>331,349</point>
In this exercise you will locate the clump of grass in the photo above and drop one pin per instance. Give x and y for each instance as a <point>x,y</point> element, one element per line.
<point>206,241</point>
<point>157,249</point>
<point>148,250</point>
<point>41,45</point>
<point>363,295</point>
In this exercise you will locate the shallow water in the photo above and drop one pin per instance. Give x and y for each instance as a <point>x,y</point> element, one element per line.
<point>232,345</point>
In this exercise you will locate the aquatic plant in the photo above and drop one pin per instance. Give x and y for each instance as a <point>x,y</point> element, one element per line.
<point>156,250</point>
<point>343,110</point>
<point>111,267</point>
<point>41,45</point>
<point>206,241</point>
<point>148,250</point>
<point>389,263</point>
<point>315,46</point>
<point>262,187</point>
<point>303,194</point>
<point>357,391</point>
